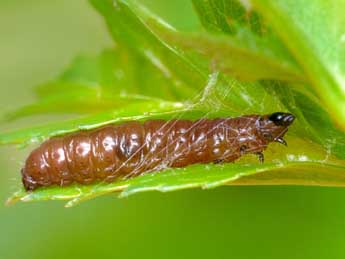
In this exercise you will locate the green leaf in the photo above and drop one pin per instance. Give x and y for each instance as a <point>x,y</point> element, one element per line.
<point>311,115</point>
<point>96,84</point>
<point>128,30</point>
<point>226,16</point>
<point>244,54</point>
<point>317,30</point>
<point>239,43</point>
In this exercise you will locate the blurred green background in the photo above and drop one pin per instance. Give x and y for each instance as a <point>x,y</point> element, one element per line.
<point>38,39</point>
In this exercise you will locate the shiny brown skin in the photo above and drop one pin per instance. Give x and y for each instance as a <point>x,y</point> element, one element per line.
<point>132,148</point>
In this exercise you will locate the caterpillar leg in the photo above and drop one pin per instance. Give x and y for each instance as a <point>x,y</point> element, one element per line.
<point>218,161</point>
<point>243,149</point>
<point>260,157</point>
<point>281,141</point>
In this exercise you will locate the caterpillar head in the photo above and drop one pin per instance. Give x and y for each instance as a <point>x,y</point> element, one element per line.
<point>274,126</point>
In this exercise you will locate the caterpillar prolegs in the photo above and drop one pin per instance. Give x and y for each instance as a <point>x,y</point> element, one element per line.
<point>133,148</point>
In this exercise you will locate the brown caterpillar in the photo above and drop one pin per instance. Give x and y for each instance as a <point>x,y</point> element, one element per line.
<point>132,148</point>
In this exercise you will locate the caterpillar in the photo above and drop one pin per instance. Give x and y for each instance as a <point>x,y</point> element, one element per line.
<point>126,150</point>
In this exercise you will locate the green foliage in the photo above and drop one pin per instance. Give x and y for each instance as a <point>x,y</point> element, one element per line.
<point>237,43</point>
<point>242,62</point>
<point>313,33</point>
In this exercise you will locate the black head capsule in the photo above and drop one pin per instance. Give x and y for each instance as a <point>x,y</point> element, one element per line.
<point>281,118</point>
<point>274,126</point>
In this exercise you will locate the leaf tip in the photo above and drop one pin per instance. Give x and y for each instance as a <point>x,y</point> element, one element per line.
<point>14,198</point>
<point>71,203</point>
